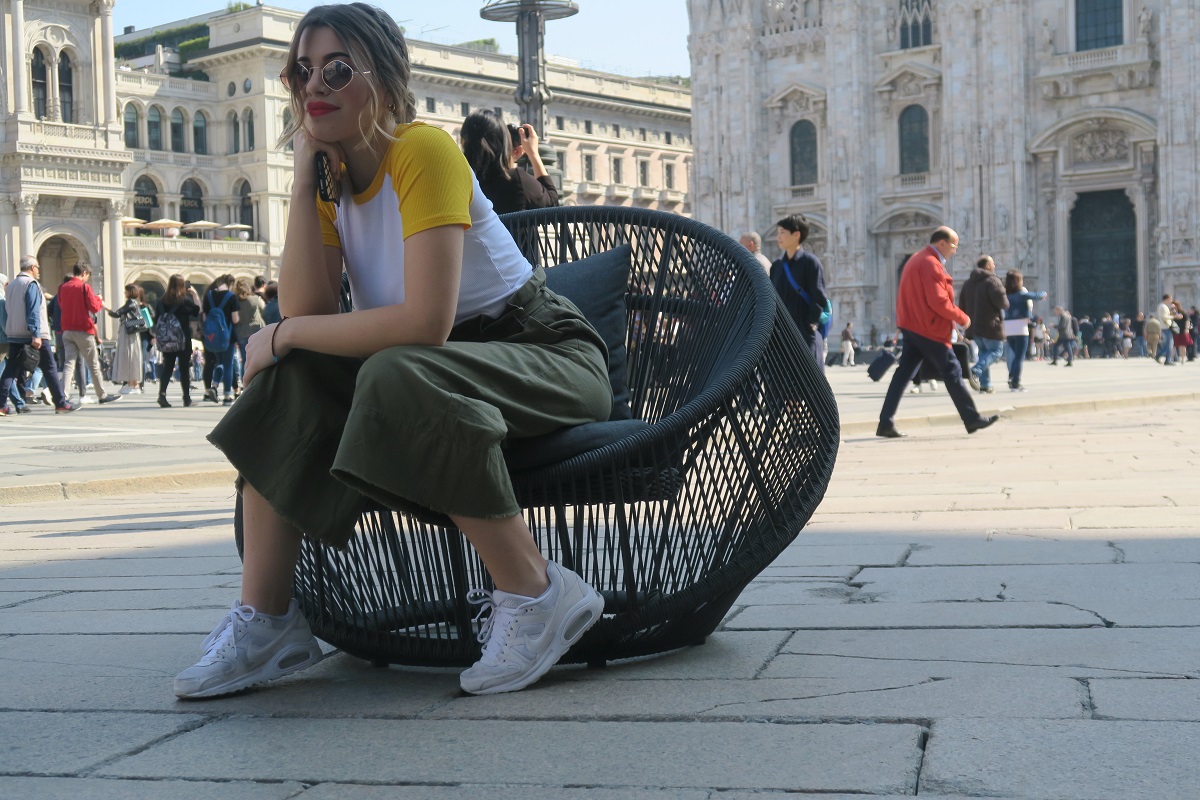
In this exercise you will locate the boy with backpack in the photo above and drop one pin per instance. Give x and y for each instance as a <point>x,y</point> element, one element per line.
<point>219,315</point>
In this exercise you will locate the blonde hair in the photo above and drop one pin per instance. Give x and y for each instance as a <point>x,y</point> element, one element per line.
<point>376,45</point>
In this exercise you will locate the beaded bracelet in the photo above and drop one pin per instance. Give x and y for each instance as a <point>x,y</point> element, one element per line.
<point>275,333</point>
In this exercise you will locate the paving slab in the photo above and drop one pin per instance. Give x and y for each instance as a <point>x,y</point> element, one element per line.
<point>874,758</point>
<point>144,600</point>
<point>804,699</point>
<point>121,582</point>
<point>725,654</point>
<point>795,592</point>
<point>342,791</point>
<point>992,552</point>
<point>803,554</point>
<point>1184,517</point>
<point>127,567</point>
<point>1172,699</point>
<point>65,743</point>
<point>850,616</point>
<point>1065,583</point>
<point>115,789</point>
<point>1159,551</point>
<point>194,620</point>
<point>1103,652</point>
<point>135,672</point>
<point>1063,760</point>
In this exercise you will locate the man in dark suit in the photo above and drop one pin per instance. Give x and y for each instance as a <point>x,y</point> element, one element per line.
<point>799,278</point>
<point>926,315</point>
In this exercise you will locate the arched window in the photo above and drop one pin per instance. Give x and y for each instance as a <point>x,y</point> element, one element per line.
<point>246,206</point>
<point>66,89</point>
<point>177,128</point>
<point>1098,24</point>
<point>131,126</point>
<point>200,133</point>
<point>154,132</point>
<point>191,202</point>
<point>914,140</point>
<point>287,123</point>
<point>145,199</point>
<point>804,153</point>
<point>39,83</point>
<point>916,23</point>
<point>249,130</point>
<point>235,134</point>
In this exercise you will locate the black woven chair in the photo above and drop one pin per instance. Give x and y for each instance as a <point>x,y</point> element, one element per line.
<point>668,520</point>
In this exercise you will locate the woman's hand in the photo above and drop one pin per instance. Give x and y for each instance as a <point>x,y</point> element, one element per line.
<point>258,351</point>
<point>305,149</point>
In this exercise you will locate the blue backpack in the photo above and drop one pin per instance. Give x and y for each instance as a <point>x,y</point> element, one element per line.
<point>217,332</point>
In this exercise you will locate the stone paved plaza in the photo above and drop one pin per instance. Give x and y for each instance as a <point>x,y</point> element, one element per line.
<point>1011,614</point>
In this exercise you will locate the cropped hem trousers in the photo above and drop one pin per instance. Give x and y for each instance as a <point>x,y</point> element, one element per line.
<point>316,435</point>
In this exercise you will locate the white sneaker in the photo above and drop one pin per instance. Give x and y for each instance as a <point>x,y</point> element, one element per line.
<point>248,648</point>
<point>86,398</point>
<point>126,389</point>
<point>524,637</point>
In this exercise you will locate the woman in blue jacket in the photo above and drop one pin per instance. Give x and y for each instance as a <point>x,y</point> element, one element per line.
<point>1016,325</point>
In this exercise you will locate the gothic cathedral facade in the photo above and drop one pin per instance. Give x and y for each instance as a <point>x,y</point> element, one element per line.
<point>1057,136</point>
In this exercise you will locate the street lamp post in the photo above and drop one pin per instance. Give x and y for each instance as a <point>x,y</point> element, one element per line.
<point>530,15</point>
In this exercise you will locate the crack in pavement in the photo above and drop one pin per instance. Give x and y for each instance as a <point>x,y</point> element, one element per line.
<point>819,696</point>
<point>1108,623</point>
<point>1141,672</point>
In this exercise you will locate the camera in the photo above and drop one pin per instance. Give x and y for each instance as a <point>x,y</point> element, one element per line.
<point>514,131</point>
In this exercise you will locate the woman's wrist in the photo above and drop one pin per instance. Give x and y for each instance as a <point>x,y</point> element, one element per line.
<point>281,343</point>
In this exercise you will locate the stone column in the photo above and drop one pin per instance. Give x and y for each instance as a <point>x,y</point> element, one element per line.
<point>112,250</point>
<point>26,203</point>
<point>108,64</point>
<point>8,235</point>
<point>16,50</point>
<point>53,106</point>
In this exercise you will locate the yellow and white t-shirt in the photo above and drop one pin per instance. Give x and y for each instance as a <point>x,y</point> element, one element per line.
<point>423,182</point>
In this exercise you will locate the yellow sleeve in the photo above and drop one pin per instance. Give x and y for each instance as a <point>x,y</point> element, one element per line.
<point>327,212</point>
<point>432,179</point>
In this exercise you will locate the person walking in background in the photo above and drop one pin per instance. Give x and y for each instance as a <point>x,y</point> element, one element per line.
<point>250,315</point>
<point>270,312</point>
<point>1194,327</point>
<point>753,242</point>
<point>848,345</point>
<point>1182,332</point>
<point>1016,325</point>
<point>174,339</point>
<point>1065,343</point>
<point>799,278</point>
<point>78,302</point>
<point>218,336</point>
<point>1166,317</point>
<point>1138,326</point>
<point>926,314</point>
<point>28,328</point>
<point>493,150</point>
<point>127,365</point>
<point>983,300</point>
<point>1154,335</point>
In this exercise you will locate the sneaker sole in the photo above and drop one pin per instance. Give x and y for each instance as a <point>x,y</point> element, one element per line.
<point>272,670</point>
<point>582,616</point>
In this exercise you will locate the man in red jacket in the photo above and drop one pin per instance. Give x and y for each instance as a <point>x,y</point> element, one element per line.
<point>78,302</point>
<point>926,315</point>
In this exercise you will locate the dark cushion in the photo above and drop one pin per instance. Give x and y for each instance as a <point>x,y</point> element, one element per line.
<point>597,286</point>
<point>557,447</point>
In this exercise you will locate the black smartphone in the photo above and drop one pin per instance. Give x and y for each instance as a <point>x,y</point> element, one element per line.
<point>328,187</point>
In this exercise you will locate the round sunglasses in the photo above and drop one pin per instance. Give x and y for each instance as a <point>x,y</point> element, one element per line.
<point>336,75</point>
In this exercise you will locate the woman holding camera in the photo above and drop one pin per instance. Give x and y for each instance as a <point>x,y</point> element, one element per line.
<point>493,149</point>
<point>127,362</point>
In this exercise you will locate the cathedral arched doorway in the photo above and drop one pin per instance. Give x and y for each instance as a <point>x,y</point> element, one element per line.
<point>57,256</point>
<point>1104,271</point>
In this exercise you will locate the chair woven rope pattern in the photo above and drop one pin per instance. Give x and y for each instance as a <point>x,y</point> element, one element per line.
<point>669,523</point>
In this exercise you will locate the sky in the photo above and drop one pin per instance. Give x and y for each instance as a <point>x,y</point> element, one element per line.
<point>626,37</point>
